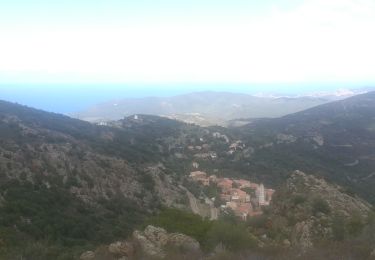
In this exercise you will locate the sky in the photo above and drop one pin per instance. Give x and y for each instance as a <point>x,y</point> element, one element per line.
<point>49,48</point>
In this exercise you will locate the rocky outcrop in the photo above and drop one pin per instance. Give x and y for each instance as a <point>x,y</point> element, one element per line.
<point>152,243</point>
<point>165,187</point>
<point>154,240</point>
<point>301,235</point>
<point>184,242</point>
<point>88,255</point>
<point>310,208</point>
<point>310,186</point>
<point>121,249</point>
<point>285,138</point>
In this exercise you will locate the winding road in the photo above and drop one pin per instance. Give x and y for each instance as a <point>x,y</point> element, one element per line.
<point>214,212</point>
<point>193,203</point>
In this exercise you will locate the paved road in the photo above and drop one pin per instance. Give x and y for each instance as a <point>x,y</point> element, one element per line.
<point>214,212</point>
<point>193,203</point>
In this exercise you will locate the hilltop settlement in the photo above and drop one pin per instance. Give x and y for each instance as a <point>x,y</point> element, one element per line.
<point>241,196</point>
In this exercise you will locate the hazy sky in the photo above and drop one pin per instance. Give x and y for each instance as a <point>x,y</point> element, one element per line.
<point>159,41</point>
<point>50,48</point>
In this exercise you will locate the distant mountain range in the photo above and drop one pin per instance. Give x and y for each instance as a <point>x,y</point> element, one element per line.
<point>210,108</point>
<point>331,95</point>
<point>202,108</point>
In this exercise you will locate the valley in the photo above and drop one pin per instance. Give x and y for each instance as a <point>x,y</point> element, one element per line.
<point>117,177</point>
<point>187,130</point>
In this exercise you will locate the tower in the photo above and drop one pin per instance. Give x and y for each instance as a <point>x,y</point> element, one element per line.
<point>261,196</point>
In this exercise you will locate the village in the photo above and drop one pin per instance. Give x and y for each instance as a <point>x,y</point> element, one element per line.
<point>243,197</point>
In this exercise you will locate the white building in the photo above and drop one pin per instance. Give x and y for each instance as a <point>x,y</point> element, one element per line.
<point>195,165</point>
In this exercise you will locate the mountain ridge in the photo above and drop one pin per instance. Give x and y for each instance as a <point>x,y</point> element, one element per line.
<point>204,108</point>
<point>111,178</point>
<point>335,137</point>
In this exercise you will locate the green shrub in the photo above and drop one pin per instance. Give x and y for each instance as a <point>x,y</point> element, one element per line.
<point>53,214</point>
<point>208,233</point>
<point>338,228</point>
<point>355,225</point>
<point>299,199</point>
<point>232,237</point>
<point>320,205</point>
<point>174,220</point>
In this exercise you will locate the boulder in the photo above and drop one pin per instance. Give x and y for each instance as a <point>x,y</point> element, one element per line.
<point>147,247</point>
<point>286,243</point>
<point>153,241</point>
<point>156,235</point>
<point>88,255</point>
<point>301,236</point>
<point>121,249</point>
<point>183,241</point>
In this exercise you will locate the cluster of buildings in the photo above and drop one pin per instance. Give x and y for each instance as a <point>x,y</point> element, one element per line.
<point>245,198</point>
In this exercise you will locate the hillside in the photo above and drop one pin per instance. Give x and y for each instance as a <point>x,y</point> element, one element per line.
<point>318,220</point>
<point>335,140</point>
<point>202,108</point>
<point>309,218</point>
<point>56,171</point>
<point>66,183</point>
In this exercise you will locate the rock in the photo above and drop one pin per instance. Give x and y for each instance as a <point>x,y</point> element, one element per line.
<point>284,138</point>
<point>121,249</point>
<point>88,255</point>
<point>148,248</point>
<point>153,241</point>
<point>302,183</point>
<point>148,244</point>
<point>308,209</point>
<point>301,236</point>
<point>220,248</point>
<point>156,235</point>
<point>183,241</point>
<point>319,140</point>
<point>286,243</point>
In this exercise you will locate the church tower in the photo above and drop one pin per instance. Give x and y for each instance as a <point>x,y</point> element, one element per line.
<point>261,195</point>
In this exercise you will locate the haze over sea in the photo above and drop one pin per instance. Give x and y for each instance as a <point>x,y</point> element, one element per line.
<point>63,56</point>
<point>68,98</point>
